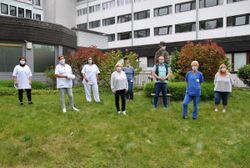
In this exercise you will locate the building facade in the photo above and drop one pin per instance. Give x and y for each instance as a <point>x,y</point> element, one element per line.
<point>140,25</point>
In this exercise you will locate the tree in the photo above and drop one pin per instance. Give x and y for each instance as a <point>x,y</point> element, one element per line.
<point>209,55</point>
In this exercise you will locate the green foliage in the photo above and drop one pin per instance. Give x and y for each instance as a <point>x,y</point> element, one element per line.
<point>35,84</point>
<point>175,67</point>
<point>50,73</point>
<point>178,90</point>
<point>244,74</point>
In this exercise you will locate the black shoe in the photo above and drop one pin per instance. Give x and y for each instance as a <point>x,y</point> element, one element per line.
<point>30,102</point>
<point>194,118</point>
<point>184,117</point>
<point>21,103</point>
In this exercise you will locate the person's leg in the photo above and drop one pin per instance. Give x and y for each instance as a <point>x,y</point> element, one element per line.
<point>87,89</point>
<point>117,101</point>
<point>157,92</point>
<point>127,93</point>
<point>216,100</point>
<point>186,101</point>
<point>225,100</point>
<point>123,94</point>
<point>96,92</point>
<point>20,96</point>
<point>131,91</point>
<point>28,92</point>
<point>164,94</point>
<point>70,96</point>
<point>62,101</point>
<point>196,100</point>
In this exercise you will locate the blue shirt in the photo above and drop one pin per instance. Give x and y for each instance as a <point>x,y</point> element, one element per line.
<point>194,81</point>
<point>130,73</point>
<point>161,73</point>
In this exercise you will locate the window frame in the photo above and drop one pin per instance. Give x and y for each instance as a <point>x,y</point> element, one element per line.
<point>7,8</point>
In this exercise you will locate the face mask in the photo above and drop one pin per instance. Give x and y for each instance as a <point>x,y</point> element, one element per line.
<point>22,62</point>
<point>90,61</point>
<point>164,48</point>
<point>119,69</point>
<point>194,68</point>
<point>161,61</point>
<point>223,69</point>
<point>62,62</point>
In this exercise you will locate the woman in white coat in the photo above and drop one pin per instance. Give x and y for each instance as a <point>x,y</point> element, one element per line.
<point>22,80</point>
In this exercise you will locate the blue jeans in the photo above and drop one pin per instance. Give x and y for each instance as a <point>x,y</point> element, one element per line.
<point>186,101</point>
<point>130,93</point>
<point>219,95</point>
<point>160,87</point>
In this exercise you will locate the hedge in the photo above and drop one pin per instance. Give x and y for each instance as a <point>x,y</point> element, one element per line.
<point>35,84</point>
<point>178,90</point>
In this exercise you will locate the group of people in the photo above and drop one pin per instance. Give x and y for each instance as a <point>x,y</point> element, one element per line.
<point>122,80</point>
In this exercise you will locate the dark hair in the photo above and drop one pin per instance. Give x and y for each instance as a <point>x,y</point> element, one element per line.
<point>21,58</point>
<point>59,57</point>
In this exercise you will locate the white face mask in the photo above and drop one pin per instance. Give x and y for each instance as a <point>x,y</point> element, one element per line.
<point>164,48</point>
<point>119,69</point>
<point>90,61</point>
<point>161,61</point>
<point>62,61</point>
<point>223,69</point>
<point>22,62</point>
<point>194,68</point>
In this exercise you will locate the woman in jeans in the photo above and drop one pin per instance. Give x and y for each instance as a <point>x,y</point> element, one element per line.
<point>119,86</point>
<point>223,86</point>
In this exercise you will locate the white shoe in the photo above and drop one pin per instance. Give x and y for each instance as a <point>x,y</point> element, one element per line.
<point>119,112</point>
<point>224,110</point>
<point>216,110</point>
<point>124,113</point>
<point>64,110</point>
<point>75,109</point>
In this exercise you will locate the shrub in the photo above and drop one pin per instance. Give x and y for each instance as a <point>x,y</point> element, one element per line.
<point>178,90</point>
<point>50,73</point>
<point>209,55</point>
<point>35,84</point>
<point>244,74</point>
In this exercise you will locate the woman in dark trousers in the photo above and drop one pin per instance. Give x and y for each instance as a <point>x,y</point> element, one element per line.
<point>22,79</point>
<point>119,86</point>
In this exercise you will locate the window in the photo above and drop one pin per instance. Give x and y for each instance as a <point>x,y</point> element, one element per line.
<point>163,11</point>
<point>231,1</point>
<point>108,5</point>
<point>10,54</point>
<point>164,30</point>
<point>183,7</point>
<point>44,57</point>
<point>238,20</point>
<point>124,18</point>
<point>4,9</point>
<point>21,12</point>
<point>211,24</point>
<point>38,17</point>
<point>37,2</point>
<point>142,15</point>
<point>111,37</point>
<point>142,33</point>
<point>94,24</point>
<point>94,8</point>
<point>108,21</point>
<point>186,27</point>
<point>124,35</point>
<point>123,2</point>
<point>240,59</point>
<point>150,61</point>
<point>12,10</point>
<point>28,14</point>
<point>210,3</point>
<point>82,26</point>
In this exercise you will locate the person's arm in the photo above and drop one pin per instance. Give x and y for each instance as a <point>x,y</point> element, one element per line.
<point>112,83</point>
<point>201,78</point>
<point>97,73</point>
<point>14,74</point>
<point>58,75</point>
<point>30,77</point>
<point>186,77</point>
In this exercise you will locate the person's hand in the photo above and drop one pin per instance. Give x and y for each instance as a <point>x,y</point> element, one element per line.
<point>86,80</point>
<point>113,90</point>
<point>30,82</point>
<point>126,90</point>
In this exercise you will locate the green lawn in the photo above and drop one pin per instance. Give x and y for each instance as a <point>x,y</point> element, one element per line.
<point>40,135</point>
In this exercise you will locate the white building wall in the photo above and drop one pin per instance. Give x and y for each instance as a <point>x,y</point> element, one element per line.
<point>85,39</point>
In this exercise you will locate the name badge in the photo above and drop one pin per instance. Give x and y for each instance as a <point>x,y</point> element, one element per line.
<point>197,80</point>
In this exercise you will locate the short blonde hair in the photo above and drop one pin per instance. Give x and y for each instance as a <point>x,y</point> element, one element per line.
<point>194,63</point>
<point>118,65</point>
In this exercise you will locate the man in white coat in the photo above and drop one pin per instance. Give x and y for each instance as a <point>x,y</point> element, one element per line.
<point>64,82</point>
<point>90,73</point>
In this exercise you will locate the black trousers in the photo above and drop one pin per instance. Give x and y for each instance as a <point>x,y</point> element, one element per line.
<point>122,94</point>
<point>20,94</point>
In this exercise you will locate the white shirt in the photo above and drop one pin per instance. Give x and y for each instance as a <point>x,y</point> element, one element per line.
<point>90,71</point>
<point>223,83</point>
<point>119,81</point>
<point>63,70</point>
<point>22,75</point>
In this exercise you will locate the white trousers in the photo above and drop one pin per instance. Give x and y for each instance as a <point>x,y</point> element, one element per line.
<point>95,89</point>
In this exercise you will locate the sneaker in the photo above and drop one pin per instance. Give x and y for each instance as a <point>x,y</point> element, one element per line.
<point>224,110</point>
<point>30,102</point>
<point>216,110</point>
<point>124,113</point>
<point>119,112</point>
<point>75,109</point>
<point>21,103</point>
<point>184,117</point>
<point>194,118</point>
<point>64,110</point>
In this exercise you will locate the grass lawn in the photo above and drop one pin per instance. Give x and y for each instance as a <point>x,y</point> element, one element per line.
<point>40,135</point>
